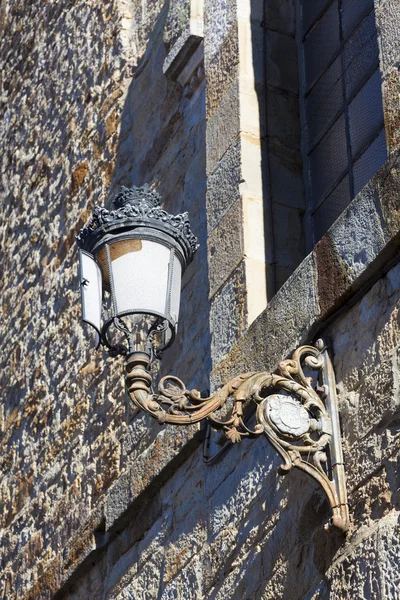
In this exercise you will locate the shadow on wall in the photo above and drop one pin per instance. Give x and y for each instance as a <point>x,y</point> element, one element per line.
<point>273,31</point>
<point>162,143</point>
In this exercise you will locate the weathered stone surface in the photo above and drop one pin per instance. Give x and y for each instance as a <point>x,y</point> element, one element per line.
<point>222,71</point>
<point>288,318</point>
<point>228,315</point>
<point>391,90</point>
<point>225,247</point>
<point>282,61</point>
<point>223,186</point>
<point>223,128</point>
<point>73,130</point>
<point>219,17</point>
<point>96,500</point>
<point>387,20</point>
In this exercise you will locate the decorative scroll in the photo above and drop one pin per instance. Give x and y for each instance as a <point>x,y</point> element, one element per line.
<point>290,411</point>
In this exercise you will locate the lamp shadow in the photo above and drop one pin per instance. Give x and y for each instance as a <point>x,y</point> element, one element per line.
<point>162,143</point>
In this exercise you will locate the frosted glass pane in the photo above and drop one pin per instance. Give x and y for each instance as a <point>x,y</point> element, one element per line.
<point>321,44</point>
<point>140,275</point>
<point>90,281</point>
<point>361,56</point>
<point>369,162</point>
<point>366,114</point>
<point>328,161</point>
<point>311,9</point>
<point>173,301</point>
<point>324,102</point>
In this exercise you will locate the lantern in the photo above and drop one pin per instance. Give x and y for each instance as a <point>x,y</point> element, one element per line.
<point>131,264</point>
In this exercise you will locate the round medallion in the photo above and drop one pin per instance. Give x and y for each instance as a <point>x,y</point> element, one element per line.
<point>287,414</point>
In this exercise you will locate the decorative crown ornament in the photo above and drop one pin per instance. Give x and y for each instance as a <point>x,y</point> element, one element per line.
<point>136,207</point>
<point>137,195</point>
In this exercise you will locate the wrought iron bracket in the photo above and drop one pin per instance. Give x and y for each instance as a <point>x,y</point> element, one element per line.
<point>296,409</point>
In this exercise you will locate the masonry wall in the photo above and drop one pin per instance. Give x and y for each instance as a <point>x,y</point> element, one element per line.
<point>85,108</point>
<point>97,501</point>
<point>239,530</point>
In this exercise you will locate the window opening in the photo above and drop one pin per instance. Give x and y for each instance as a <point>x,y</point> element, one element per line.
<point>343,139</point>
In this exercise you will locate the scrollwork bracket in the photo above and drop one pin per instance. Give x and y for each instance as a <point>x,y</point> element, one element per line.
<point>296,408</point>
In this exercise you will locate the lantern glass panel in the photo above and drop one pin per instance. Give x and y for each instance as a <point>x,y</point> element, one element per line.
<point>173,301</point>
<point>139,270</point>
<point>91,290</point>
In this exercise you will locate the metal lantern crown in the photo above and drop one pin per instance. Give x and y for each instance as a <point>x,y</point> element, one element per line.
<point>131,263</point>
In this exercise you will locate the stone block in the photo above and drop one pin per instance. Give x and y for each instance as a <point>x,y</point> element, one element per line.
<point>231,501</point>
<point>288,236</point>
<point>363,225</point>
<point>225,247</point>
<point>387,20</point>
<point>251,159</point>
<point>177,21</point>
<point>187,583</point>
<point>280,15</point>
<point>391,91</point>
<point>340,262</point>
<point>223,186</point>
<point>283,120</point>
<point>388,206</point>
<point>286,178</point>
<point>183,545</point>
<point>147,467</point>
<point>378,335</point>
<point>223,128</point>
<point>219,18</point>
<point>393,281</point>
<point>228,315</point>
<point>282,69</point>
<point>222,71</point>
<point>279,329</point>
<point>368,569</point>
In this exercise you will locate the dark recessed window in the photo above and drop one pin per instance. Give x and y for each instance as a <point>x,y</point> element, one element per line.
<point>342,114</point>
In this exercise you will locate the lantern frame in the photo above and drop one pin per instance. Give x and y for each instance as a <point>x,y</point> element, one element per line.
<point>137,216</point>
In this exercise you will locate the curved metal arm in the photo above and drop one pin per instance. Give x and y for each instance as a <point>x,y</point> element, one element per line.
<point>299,417</point>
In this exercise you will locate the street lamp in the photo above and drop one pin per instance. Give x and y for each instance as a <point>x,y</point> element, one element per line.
<point>131,262</point>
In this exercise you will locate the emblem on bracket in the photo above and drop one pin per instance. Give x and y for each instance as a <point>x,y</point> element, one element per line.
<point>287,415</point>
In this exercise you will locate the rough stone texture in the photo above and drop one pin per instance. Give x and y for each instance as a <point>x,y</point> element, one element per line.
<point>225,247</point>
<point>237,530</point>
<point>177,21</point>
<point>228,314</point>
<point>97,500</point>
<point>388,23</point>
<point>72,132</point>
<point>223,186</point>
<point>391,89</point>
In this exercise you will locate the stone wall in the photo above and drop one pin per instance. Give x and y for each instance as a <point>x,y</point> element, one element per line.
<point>238,530</point>
<point>96,501</point>
<point>85,108</point>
